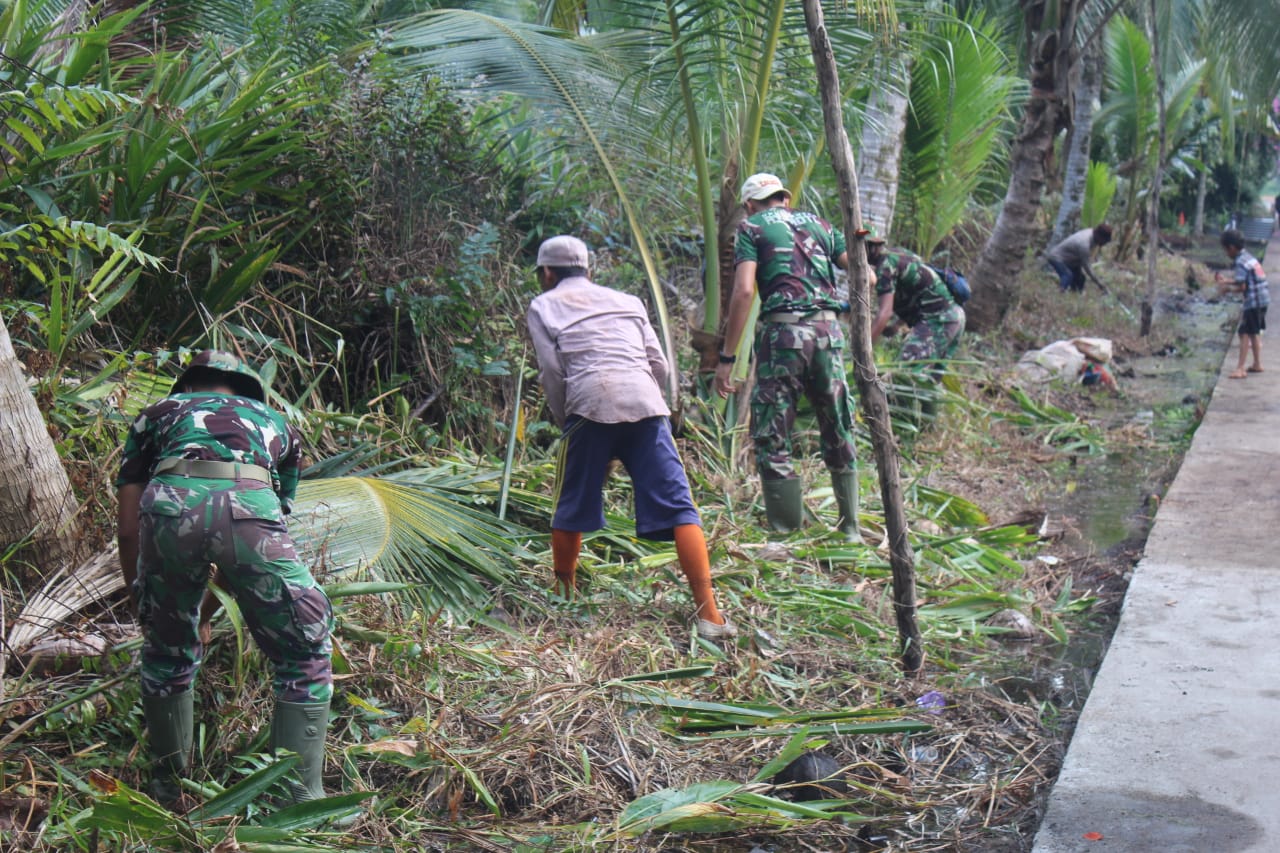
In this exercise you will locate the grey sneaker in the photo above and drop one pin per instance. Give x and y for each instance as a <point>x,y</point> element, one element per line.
<point>708,630</point>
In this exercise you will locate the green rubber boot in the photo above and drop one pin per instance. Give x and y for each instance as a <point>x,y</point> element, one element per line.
<point>300,727</point>
<point>169,729</point>
<point>783,504</point>
<point>845,486</point>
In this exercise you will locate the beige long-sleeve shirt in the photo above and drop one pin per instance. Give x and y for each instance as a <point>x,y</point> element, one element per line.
<point>598,356</point>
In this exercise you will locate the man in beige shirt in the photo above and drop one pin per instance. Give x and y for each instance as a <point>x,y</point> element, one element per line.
<point>602,371</point>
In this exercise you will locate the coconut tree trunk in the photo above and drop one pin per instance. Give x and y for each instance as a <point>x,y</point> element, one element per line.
<point>1153,212</point>
<point>36,501</point>
<point>1076,176</point>
<point>875,405</point>
<point>880,146</point>
<point>1051,29</point>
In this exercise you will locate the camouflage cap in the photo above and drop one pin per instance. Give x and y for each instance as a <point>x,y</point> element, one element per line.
<point>238,375</point>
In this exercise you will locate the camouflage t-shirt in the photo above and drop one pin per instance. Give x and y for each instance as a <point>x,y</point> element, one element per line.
<point>917,290</point>
<point>217,427</point>
<point>795,252</point>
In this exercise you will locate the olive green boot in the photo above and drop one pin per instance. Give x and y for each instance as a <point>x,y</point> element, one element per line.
<point>300,727</point>
<point>845,486</point>
<point>783,504</point>
<point>169,730</point>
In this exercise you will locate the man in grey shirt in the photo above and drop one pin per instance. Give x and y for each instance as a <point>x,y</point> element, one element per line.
<point>1070,258</point>
<point>602,370</point>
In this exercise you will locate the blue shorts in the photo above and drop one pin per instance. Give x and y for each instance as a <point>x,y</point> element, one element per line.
<point>646,448</point>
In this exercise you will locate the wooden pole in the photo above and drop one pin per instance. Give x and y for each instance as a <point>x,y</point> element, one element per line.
<point>871,394</point>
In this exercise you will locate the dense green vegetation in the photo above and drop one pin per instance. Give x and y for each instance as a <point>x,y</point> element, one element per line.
<point>349,194</point>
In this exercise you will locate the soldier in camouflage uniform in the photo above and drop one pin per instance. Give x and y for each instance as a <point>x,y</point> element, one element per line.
<point>789,256</point>
<point>206,480</point>
<point>911,289</point>
<point>908,287</point>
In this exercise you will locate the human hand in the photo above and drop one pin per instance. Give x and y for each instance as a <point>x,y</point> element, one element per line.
<point>724,380</point>
<point>206,633</point>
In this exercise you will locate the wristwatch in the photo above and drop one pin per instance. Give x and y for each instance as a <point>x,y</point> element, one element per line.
<point>727,359</point>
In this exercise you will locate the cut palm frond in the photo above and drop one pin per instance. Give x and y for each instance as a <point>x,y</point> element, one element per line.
<point>424,535</point>
<point>413,532</point>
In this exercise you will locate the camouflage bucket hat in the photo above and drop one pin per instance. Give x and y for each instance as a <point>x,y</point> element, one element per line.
<point>238,375</point>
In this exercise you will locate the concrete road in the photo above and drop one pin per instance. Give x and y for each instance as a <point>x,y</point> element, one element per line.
<point>1178,747</point>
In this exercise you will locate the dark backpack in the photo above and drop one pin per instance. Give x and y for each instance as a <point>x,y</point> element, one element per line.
<point>955,281</point>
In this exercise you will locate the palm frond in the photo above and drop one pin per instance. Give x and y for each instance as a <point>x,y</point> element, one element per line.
<point>961,90</point>
<point>420,528</point>
<point>1129,114</point>
<point>1099,190</point>
<point>413,532</point>
<point>571,77</point>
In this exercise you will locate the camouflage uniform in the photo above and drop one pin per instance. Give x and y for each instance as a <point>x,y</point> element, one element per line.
<point>188,523</point>
<point>794,252</point>
<point>923,302</point>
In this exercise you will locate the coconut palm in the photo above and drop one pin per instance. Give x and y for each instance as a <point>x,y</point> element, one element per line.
<point>1079,145</point>
<point>1132,114</point>
<point>881,139</point>
<point>673,96</point>
<point>1056,31</point>
<point>960,95</point>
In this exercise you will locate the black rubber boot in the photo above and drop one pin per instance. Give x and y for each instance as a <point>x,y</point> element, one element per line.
<point>783,504</point>
<point>845,486</point>
<point>301,727</point>
<point>169,721</point>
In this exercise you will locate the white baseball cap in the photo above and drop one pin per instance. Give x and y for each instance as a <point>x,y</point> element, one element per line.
<point>761,186</point>
<point>563,251</point>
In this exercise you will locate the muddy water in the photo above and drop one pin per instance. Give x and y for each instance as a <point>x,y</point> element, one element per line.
<point>1115,495</point>
<point>1164,393</point>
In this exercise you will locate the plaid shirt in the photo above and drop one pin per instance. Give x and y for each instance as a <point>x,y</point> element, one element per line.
<point>1249,272</point>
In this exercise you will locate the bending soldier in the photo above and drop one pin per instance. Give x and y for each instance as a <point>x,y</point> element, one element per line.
<point>206,479</point>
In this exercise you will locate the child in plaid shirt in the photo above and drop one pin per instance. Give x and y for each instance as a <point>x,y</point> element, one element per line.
<point>1248,279</point>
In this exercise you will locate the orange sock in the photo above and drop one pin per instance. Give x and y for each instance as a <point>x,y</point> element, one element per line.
<point>691,549</point>
<point>565,545</point>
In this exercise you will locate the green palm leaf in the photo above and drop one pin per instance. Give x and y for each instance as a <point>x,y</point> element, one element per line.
<point>414,532</point>
<point>571,77</point>
<point>961,89</point>
<point>1099,189</point>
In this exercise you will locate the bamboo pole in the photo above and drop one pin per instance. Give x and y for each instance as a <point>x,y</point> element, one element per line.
<point>871,394</point>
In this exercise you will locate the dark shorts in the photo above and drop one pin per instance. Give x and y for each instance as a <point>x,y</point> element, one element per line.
<point>1253,321</point>
<point>646,448</point>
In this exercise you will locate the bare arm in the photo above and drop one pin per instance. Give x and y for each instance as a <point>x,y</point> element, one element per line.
<point>884,312</point>
<point>128,501</point>
<point>744,293</point>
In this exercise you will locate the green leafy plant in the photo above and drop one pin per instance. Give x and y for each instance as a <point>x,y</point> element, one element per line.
<point>961,90</point>
<point>1099,190</point>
